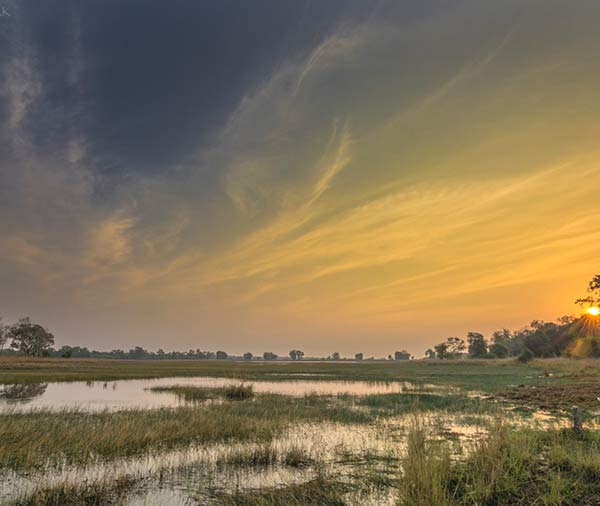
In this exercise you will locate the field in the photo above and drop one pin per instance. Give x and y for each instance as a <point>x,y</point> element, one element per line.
<point>420,433</point>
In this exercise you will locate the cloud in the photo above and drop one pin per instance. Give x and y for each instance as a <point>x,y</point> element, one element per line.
<point>415,157</point>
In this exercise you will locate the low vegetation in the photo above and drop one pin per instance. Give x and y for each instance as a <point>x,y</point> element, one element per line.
<point>509,467</point>
<point>233,392</point>
<point>471,374</point>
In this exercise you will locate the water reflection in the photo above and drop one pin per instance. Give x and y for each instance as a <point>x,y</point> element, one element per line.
<point>194,474</point>
<point>138,394</point>
<point>22,392</point>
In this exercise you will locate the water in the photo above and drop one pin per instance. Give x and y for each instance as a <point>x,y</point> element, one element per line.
<point>193,474</point>
<point>137,394</point>
<point>197,471</point>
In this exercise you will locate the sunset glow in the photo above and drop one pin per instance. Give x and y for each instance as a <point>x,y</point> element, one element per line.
<point>320,179</point>
<point>594,311</point>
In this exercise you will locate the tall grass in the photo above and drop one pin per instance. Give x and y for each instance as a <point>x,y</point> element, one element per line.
<point>426,471</point>
<point>239,392</point>
<point>32,439</point>
<point>508,468</point>
<point>233,392</point>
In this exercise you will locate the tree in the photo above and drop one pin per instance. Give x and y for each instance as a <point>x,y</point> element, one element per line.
<point>498,350</point>
<point>66,352</point>
<point>441,350</point>
<point>30,338</point>
<point>138,353</point>
<point>456,345</point>
<point>358,357</point>
<point>296,355</point>
<point>477,345</point>
<point>267,355</point>
<point>221,355</point>
<point>335,355</point>
<point>248,356</point>
<point>593,297</point>
<point>402,355</point>
<point>3,335</point>
<point>548,339</point>
<point>430,353</point>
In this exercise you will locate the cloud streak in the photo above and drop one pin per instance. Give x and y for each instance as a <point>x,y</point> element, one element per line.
<point>402,160</point>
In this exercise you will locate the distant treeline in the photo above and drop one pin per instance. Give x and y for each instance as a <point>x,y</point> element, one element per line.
<point>539,339</point>
<point>139,353</point>
<point>568,336</point>
<point>28,338</point>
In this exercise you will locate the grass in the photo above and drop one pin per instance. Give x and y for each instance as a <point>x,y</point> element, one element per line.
<point>320,491</point>
<point>80,495</point>
<point>486,375</point>
<point>233,392</point>
<point>266,454</point>
<point>240,392</point>
<point>32,439</point>
<point>413,402</point>
<point>510,467</point>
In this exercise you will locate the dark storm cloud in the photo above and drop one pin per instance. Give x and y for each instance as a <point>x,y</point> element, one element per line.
<point>159,78</point>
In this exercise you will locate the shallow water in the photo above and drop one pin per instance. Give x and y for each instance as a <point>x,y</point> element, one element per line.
<point>137,394</point>
<point>193,474</point>
<point>198,470</point>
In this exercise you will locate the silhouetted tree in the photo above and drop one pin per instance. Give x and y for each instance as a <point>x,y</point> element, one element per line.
<point>248,356</point>
<point>456,345</point>
<point>548,339</point>
<point>296,355</point>
<point>335,355</point>
<point>267,355</point>
<point>441,350</point>
<point>593,297</point>
<point>430,353</point>
<point>402,355</point>
<point>498,350</point>
<point>477,345</point>
<point>221,355</point>
<point>138,353</point>
<point>358,357</point>
<point>30,338</point>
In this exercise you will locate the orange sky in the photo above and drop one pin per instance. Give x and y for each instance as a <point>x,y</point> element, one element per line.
<point>384,189</point>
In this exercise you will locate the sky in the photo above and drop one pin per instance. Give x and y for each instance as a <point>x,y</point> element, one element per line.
<point>331,175</point>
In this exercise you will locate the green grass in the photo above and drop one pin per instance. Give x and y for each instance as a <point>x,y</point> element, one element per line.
<point>233,392</point>
<point>320,491</point>
<point>510,467</point>
<point>486,375</point>
<point>31,439</point>
<point>413,402</point>
<point>80,495</point>
<point>239,392</point>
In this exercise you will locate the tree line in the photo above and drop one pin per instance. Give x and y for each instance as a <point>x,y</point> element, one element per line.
<point>569,336</point>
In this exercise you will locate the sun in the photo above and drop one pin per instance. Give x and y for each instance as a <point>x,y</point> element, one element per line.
<point>594,311</point>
